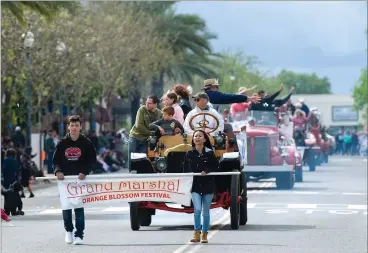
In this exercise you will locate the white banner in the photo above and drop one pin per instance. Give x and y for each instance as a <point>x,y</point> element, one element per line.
<point>243,147</point>
<point>76,193</point>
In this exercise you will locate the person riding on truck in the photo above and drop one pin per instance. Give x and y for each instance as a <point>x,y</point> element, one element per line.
<point>267,102</point>
<point>211,88</point>
<point>280,102</point>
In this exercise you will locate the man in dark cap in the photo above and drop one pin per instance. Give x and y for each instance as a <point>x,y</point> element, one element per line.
<point>205,122</point>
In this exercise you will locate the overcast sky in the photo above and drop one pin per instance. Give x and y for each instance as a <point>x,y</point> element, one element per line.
<point>312,36</point>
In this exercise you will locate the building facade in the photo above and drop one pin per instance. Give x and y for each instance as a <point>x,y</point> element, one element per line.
<point>336,110</point>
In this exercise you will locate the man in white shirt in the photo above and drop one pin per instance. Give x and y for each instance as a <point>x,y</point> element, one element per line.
<point>201,100</point>
<point>286,127</point>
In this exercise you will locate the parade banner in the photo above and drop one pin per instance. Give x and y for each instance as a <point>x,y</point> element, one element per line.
<point>75,193</point>
<point>241,138</point>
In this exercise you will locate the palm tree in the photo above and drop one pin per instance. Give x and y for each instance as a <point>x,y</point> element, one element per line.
<point>190,44</point>
<point>46,9</point>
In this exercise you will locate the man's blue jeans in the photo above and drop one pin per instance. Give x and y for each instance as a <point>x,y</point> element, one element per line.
<point>202,205</point>
<point>50,156</point>
<point>79,221</point>
<point>136,146</point>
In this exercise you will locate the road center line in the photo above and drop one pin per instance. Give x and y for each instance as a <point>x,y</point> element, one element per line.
<point>302,206</point>
<point>302,192</point>
<point>357,207</point>
<point>352,193</point>
<point>221,222</point>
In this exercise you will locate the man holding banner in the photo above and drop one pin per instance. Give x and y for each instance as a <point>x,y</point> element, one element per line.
<point>74,155</point>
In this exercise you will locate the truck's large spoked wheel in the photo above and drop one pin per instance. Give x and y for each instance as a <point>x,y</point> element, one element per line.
<point>244,200</point>
<point>285,180</point>
<point>299,174</point>
<point>234,205</point>
<point>134,216</point>
<point>145,217</point>
<point>311,160</point>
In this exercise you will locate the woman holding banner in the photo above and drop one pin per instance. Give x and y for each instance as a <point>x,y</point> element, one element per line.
<point>201,159</point>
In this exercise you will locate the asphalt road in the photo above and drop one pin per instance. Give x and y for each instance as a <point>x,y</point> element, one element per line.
<point>326,213</point>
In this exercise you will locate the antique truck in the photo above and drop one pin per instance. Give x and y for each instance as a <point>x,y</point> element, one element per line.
<point>165,154</point>
<point>267,154</point>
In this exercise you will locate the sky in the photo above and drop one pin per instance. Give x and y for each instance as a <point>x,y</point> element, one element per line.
<point>325,37</point>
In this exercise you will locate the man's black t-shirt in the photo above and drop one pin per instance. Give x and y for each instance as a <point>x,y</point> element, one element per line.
<point>74,157</point>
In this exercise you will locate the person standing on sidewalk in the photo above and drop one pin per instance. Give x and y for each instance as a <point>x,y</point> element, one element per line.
<point>74,155</point>
<point>50,149</point>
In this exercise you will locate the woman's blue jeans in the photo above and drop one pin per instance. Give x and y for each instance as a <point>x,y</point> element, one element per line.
<point>202,205</point>
<point>135,146</point>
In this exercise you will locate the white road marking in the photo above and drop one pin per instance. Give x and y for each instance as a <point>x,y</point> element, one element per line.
<point>268,206</point>
<point>221,222</point>
<point>343,160</point>
<point>255,192</point>
<point>251,205</point>
<point>274,211</point>
<point>116,209</point>
<point>306,193</point>
<point>353,193</point>
<point>310,211</point>
<point>7,224</point>
<point>302,206</point>
<point>343,211</point>
<point>258,192</point>
<point>358,207</point>
<point>51,211</point>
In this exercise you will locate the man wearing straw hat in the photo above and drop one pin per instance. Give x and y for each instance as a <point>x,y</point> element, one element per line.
<point>211,88</point>
<point>240,109</point>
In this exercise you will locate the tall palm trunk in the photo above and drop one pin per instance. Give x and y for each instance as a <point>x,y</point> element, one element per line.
<point>161,79</point>
<point>135,98</point>
<point>157,84</point>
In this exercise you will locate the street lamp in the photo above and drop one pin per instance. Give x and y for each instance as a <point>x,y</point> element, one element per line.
<point>28,41</point>
<point>60,50</point>
<point>232,75</point>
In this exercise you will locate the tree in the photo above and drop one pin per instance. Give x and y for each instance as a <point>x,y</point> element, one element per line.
<point>44,8</point>
<point>305,83</point>
<point>191,49</point>
<point>360,93</point>
<point>99,45</point>
<point>236,69</point>
<point>131,52</point>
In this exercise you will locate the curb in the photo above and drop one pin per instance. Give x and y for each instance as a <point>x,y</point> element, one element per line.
<point>41,185</point>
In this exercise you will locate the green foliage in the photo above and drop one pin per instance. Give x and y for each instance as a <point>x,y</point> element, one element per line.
<point>109,43</point>
<point>47,9</point>
<point>103,46</point>
<point>191,43</point>
<point>305,83</point>
<point>360,93</point>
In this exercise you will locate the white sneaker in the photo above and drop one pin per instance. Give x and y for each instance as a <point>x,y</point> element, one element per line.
<point>78,241</point>
<point>69,237</point>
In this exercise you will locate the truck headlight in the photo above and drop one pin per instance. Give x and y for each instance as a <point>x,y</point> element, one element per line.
<point>161,164</point>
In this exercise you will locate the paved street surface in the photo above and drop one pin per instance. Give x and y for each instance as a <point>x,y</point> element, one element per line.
<point>326,213</point>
